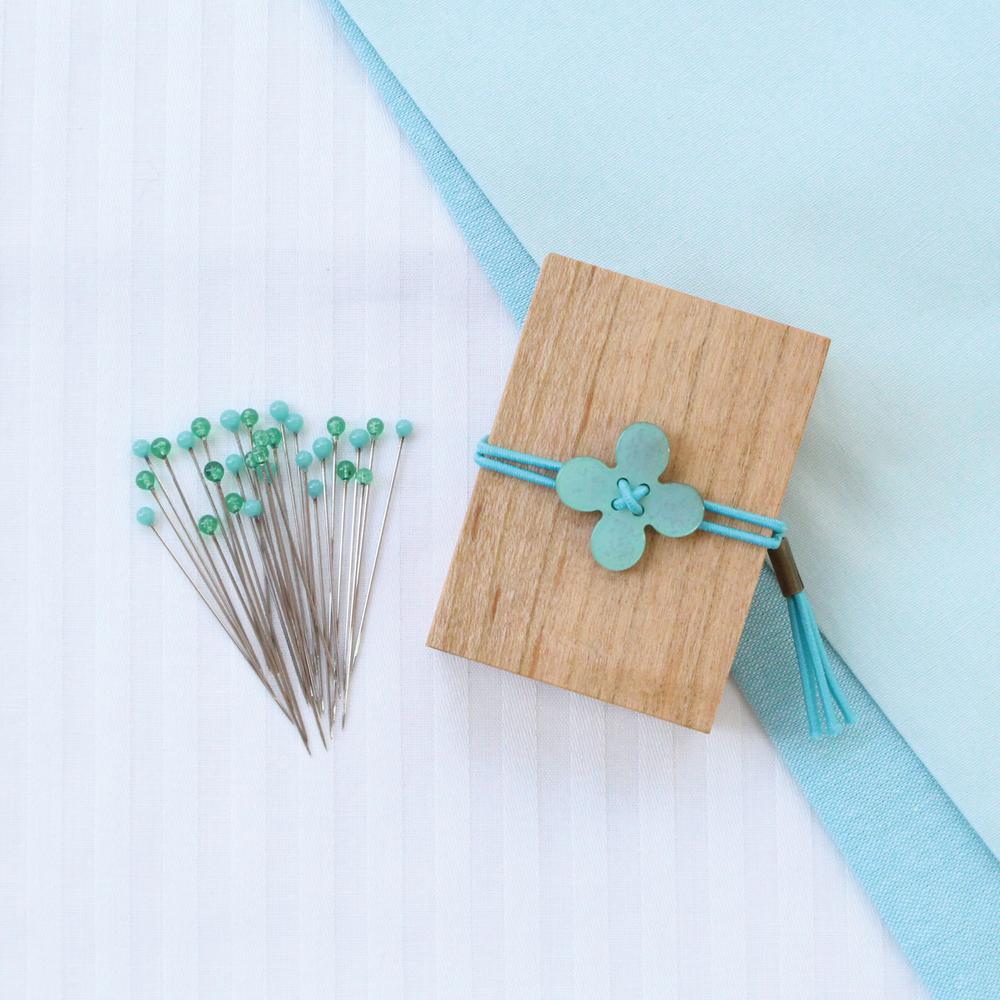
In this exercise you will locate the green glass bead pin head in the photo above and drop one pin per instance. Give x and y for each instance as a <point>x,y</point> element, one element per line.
<point>375,426</point>
<point>214,472</point>
<point>160,447</point>
<point>336,426</point>
<point>208,525</point>
<point>345,470</point>
<point>259,459</point>
<point>200,428</point>
<point>234,503</point>
<point>145,480</point>
<point>249,418</point>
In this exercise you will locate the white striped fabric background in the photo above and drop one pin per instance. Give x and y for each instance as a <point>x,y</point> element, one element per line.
<point>202,205</point>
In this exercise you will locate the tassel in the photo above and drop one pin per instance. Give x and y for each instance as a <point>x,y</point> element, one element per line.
<point>823,696</point>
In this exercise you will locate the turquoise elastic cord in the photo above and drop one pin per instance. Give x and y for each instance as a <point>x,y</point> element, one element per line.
<point>628,498</point>
<point>503,460</point>
<point>826,708</point>
<point>506,454</point>
<point>521,465</point>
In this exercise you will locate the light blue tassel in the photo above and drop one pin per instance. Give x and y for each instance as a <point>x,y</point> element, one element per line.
<point>826,707</point>
<point>819,686</point>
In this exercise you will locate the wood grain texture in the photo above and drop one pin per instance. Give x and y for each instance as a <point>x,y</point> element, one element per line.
<point>600,351</point>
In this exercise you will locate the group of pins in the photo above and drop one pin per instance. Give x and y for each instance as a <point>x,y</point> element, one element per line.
<point>278,554</point>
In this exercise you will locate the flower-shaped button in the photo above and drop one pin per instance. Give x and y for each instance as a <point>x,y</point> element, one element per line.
<point>630,496</point>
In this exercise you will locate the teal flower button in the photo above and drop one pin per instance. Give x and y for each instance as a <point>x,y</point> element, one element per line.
<point>630,496</point>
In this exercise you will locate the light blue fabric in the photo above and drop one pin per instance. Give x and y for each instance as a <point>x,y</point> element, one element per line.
<point>932,878</point>
<point>832,166</point>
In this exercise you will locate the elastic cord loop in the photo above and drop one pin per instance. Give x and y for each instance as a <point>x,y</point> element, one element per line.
<point>778,527</point>
<point>516,472</point>
<point>508,455</point>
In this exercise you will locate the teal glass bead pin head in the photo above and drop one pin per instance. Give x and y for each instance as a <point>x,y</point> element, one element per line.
<point>630,496</point>
<point>186,440</point>
<point>315,488</point>
<point>235,463</point>
<point>140,448</point>
<point>145,516</point>
<point>404,428</point>
<point>304,459</point>
<point>252,508</point>
<point>294,422</point>
<point>230,419</point>
<point>322,448</point>
<point>359,438</point>
<point>279,410</point>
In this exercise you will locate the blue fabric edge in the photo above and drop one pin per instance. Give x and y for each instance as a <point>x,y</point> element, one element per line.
<point>932,878</point>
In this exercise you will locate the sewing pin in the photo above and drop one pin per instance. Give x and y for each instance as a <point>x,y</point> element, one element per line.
<point>404,428</point>
<point>359,439</point>
<point>345,470</point>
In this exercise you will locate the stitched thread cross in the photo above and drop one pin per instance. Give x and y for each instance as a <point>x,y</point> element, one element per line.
<point>628,498</point>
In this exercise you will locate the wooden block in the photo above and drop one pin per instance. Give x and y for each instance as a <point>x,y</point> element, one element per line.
<point>600,351</point>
